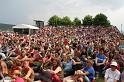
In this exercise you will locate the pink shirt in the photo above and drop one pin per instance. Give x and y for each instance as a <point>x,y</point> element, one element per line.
<point>19,79</point>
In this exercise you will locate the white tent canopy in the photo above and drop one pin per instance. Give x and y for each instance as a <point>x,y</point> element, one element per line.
<point>24,26</point>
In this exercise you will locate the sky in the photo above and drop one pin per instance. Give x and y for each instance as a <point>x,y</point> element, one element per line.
<point>25,11</point>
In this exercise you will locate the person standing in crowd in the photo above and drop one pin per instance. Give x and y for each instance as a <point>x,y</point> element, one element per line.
<point>112,74</point>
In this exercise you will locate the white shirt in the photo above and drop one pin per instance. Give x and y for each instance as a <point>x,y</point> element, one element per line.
<point>112,75</point>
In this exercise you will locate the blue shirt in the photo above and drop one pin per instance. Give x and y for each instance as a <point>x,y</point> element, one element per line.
<point>100,57</point>
<point>67,66</point>
<point>91,72</point>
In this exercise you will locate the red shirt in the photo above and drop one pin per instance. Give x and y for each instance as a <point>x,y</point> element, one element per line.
<point>66,42</point>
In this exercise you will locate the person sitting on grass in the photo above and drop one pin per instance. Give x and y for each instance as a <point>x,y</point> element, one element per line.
<point>88,72</point>
<point>27,71</point>
<point>3,68</point>
<point>56,71</point>
<point>100,61</point>
<point>112,74</point>
<point>17,76</point>
<point>122,76</point>
<point>67,65</point>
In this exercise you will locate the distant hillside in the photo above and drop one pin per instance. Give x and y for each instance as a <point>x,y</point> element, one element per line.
<point>6,27</point>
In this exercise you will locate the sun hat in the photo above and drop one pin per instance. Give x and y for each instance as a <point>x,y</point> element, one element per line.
<point>114,63</point>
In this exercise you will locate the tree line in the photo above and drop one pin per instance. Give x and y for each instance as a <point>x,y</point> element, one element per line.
<point>99,20</point>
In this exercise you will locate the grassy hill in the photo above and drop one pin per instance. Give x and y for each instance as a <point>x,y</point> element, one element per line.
<point>6,27</point>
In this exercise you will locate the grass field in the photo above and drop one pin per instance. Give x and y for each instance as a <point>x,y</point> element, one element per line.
<point>99,80</point>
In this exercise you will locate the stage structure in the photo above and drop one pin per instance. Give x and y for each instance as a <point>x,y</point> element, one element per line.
<point>25,29</point>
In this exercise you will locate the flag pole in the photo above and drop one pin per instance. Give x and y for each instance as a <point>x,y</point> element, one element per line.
<point>29,38</point>
<point>121,28</point>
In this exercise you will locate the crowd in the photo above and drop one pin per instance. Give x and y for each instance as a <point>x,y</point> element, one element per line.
<point>62,54</point>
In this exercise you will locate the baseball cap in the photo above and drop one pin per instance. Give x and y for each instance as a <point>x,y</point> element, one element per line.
<point>114,63</point>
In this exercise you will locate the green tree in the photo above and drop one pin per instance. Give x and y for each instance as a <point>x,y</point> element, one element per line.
<point>76,22</point>
<point>66,21</point>
<point>54,21</point>
<point>88,20</point>
<point>101,19</point>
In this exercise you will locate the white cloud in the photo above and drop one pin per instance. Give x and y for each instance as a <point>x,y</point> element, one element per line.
<point>117,18</point>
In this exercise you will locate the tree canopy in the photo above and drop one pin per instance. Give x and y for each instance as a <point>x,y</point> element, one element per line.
<point>98,20</point>
<point>76,22</point>
<point>54,21</point>
<point>66,21</point>
<point>88,20</point>
<point>101,19</point>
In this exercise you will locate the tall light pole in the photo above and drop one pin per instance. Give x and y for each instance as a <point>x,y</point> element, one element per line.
<point>121,28</point>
